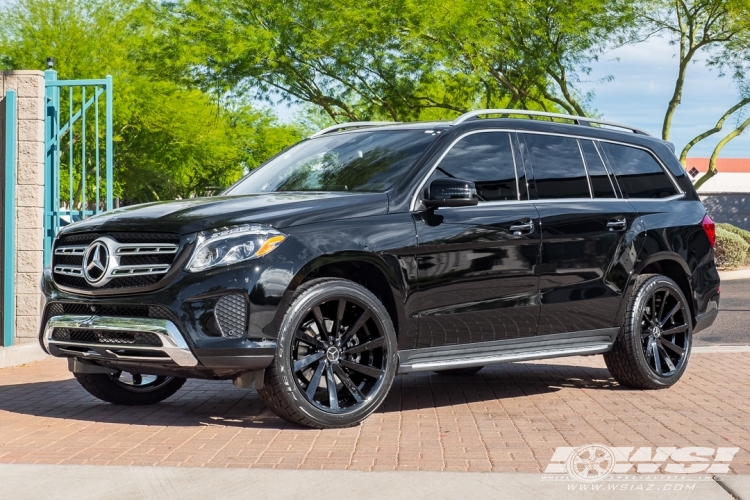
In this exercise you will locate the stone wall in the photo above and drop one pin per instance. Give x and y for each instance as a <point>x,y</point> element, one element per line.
<point>29,86</point>
<point>732,208</point>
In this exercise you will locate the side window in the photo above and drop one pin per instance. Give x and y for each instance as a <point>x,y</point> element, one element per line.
<point>601,183</point>
<point>638,173</point>
<point>485,158</point>
<point>558,167</point>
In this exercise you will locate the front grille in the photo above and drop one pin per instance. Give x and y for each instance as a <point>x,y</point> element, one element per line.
<point>106,337</point>
<point>144,259</point>
<point>231,315</point>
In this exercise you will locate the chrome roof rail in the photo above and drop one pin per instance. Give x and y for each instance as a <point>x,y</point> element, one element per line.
<point>578,120</point>
<point>340,126</point>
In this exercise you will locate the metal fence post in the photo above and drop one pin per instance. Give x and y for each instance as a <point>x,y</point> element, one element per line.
<point>9,222</point>
<point>108,144</point>
<point>51,151</point>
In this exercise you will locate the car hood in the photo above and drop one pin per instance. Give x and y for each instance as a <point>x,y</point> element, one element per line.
<point>197,214</point>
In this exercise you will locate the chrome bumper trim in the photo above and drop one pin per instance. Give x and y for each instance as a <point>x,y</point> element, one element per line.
<point>173,343</point>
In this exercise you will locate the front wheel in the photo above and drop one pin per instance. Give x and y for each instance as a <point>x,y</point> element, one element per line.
<point>653,348</point>
<point>123,388</point>
<point>336,356</point>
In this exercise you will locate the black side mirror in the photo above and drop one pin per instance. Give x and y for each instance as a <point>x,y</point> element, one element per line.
<point>450,193</point>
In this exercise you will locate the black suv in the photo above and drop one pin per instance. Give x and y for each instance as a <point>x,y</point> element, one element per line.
<point>370,250</point>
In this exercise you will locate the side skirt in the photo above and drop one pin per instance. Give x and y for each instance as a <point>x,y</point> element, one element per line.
<point>503,351</point>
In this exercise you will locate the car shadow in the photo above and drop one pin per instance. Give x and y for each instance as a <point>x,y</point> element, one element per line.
<point>208,402</point>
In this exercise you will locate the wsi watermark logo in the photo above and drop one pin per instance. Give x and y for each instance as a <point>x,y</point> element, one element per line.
<point>597,462</point>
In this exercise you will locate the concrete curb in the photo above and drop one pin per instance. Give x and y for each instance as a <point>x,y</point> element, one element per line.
<point>21,354</point>
<point>707,349</point>
<point>83,482</point>
<point>742,274</point>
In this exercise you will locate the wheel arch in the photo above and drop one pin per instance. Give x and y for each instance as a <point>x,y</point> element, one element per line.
<point>368,269</point>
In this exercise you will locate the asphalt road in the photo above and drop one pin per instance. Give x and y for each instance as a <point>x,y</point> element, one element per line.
<point>732,326</point>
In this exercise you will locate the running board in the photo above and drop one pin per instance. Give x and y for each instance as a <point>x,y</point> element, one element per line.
<point>504,351</point>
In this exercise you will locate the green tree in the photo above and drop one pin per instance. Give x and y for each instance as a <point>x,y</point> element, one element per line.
<point>170,140</point>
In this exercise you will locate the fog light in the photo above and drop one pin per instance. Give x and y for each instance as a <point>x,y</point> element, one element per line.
<point>231,315</point>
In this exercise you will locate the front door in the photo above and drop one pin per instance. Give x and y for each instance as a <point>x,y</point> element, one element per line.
<point>585,234</point>
<point>477,265</point>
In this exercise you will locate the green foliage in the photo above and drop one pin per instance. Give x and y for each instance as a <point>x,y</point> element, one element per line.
<point>731,248</point>
<point>745,235</point>
<point>171,139</point>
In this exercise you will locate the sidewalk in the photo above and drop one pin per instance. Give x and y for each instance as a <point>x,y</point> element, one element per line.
<point>75,482</point>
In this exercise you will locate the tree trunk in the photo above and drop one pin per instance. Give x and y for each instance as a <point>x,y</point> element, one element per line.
<point>712,170</point>
<point>711,131</point>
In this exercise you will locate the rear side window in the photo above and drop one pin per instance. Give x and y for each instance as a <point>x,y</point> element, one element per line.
<point>601,183</point>
<point>638,173</point>
<point>486,159</point>
<point>558,167</point>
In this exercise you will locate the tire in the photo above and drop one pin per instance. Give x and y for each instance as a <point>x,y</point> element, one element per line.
<point>658,329</point>
<point>121,390</point>
<point>360,359</point>
<point>461,372</point>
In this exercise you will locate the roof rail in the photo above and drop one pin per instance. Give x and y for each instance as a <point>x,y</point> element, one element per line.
<point>578,120</point>
<point>340,126</point>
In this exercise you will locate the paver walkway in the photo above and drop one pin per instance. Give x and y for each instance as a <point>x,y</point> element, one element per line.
<point>507,418</point>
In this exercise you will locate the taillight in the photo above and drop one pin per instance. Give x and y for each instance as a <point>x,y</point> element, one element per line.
<point>710,228</point>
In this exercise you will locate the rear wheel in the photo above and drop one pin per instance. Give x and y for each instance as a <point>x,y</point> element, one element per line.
<point>653,350</point>
<point>336,356</point>
<point>123,388</point>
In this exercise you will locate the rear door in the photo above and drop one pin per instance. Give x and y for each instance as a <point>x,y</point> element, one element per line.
<point>477,265</point>
<point>584,227</point>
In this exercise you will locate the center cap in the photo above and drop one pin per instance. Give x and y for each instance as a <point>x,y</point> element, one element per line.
<point>333,354</point>
<point>656,332</point>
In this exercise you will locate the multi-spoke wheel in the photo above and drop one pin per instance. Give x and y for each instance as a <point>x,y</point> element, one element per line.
<point>336,356</point>
<point>125,388</point>
<point>653,349</point>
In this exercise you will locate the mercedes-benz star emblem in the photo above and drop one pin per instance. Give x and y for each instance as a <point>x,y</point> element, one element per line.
<point>95,262</point>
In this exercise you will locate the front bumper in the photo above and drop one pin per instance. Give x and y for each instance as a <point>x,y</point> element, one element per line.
<point>173,346</point>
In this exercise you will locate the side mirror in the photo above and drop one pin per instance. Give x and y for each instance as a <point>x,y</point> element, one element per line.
<point>450,193</point>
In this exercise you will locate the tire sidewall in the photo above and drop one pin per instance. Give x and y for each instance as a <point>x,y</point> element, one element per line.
<point>283,363</point>
<point>641,300</point>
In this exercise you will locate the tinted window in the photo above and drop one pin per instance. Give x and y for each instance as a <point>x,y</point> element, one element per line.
<point>558,167</point>
<point>358,161</point>
<point>638,173</point>
<point>485,159</point>
<point>601,184</point>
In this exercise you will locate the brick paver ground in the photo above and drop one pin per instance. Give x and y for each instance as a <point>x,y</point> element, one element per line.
<point>508,418</point>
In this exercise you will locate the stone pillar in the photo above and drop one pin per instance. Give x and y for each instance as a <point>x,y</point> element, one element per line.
<point>29,86</point>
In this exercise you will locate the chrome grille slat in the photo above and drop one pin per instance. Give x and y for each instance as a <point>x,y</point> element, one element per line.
<point>140,249</point>
<point>71,250</point>
<point>69,270</point>
<point>143,269</point>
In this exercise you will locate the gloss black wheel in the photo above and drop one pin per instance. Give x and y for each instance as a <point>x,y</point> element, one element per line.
<point>653,348</point>
<point>125,388</point>
<point>664,329</point>
<point>336,356</point>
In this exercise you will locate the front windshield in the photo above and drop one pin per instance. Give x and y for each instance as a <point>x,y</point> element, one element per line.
<point>359,161</point>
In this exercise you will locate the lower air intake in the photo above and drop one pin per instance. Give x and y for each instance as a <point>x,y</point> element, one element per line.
<point>231,315</point>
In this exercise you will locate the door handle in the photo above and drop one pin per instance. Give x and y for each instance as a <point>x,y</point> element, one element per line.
<point>521,228</point>
<point>618,224</point>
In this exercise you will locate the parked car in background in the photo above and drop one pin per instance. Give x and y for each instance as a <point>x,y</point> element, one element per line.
<point>372,249</point>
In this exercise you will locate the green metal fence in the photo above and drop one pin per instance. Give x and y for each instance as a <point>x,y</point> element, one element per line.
<point>9,217</point>
<point>78,162</point>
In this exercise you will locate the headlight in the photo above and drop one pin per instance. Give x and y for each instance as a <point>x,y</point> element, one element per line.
<point>229,245</point>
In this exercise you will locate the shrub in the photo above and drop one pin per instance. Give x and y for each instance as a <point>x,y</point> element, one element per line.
<point>745,235</point>
<point>731,249</point>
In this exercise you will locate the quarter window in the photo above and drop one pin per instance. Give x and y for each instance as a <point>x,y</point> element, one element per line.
<point>486,159</point>
<point>638,173</point>
<point>558,167</point>
<point>601,183</point>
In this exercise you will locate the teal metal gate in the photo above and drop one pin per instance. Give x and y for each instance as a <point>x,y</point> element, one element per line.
<point>78,160</point>
<point>9,217</point>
